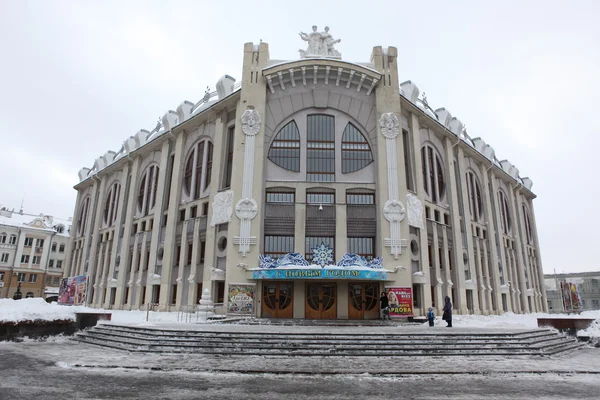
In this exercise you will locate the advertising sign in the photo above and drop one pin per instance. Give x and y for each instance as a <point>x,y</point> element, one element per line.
<point>241,298</point>
<point>320,273</point>
<point>571,297</point>
<point>400,299</point>
<point>73,290</point>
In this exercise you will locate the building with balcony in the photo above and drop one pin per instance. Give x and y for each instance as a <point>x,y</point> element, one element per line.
<point>32,253</point>
<point>319,183</point>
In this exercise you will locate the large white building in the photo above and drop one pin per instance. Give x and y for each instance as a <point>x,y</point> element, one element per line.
<point>307,164</point>
<point>32,253</point>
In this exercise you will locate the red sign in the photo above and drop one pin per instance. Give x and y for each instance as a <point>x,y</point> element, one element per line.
<point>400,301</point>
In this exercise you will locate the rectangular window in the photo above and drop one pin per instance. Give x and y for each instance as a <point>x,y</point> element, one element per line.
<point>36,260</point>
<point>193,212</point>
<point>229,157</point>
<point>360,198</point>
<point>24,259</point>
<point>364,247</point>
<point>170,171</point>
<point>48,280</point>
<point>1,276</point>
<point>50,263</point>
<point>202,251</point>
<point>4,258</point>
<point>204,209</point>
<point>28,242</point>
<point>59,263</point>
<point>40,243</point>
<point>181,215</point>
<point>21,277</point>
<point>32,278</point>
<point>281,197</point>
<point>189,254</point>
<point>320,152</point>
<point>320,198</point>
<point>61,248</point>
<point>408,162</point>
<point>178,255</point>
<point>13,239</point>
<point>276,246</point>
<point>596,304</point>
<point>314,242</point>
<point>56,280</point>
<point>2,238</point>
<point>53,246</point>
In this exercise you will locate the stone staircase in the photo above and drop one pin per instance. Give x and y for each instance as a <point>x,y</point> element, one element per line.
<point>535,342</point>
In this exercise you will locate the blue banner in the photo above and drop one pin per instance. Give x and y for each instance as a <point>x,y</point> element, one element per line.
<point>320,273</point>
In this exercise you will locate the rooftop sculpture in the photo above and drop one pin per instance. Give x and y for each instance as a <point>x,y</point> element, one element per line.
<point>320,44</point>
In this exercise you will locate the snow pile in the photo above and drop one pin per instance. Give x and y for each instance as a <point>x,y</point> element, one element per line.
<point>38,309</point>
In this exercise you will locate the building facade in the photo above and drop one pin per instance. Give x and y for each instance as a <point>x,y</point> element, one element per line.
<point>586,285</point>
<point>319,181</point>
<point>32,254</point>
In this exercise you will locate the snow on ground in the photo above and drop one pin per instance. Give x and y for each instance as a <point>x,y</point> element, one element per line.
<point>38,308</point>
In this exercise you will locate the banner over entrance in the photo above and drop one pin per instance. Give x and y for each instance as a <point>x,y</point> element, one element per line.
<point>320,273</point>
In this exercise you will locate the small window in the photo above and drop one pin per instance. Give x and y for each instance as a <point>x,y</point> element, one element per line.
<point>32,278</point>
<point>29,295</point>
<point>320,198</point>
<point>59,264</point>
<point>274,196</point>
<point>24,259</point>
<point>13,239</point>
<point>285,148</point>
<point>36,260</point>
<point>360,198</point>
<point>50,263</point>
<point>61,248</point>
<point>2,237</point>
<point>28,242</point>
<point>204,209</point>
<point>56,280</point>
<point>193,211</point>
<point>1,276</point>
<point>181,215</point>
<point>4,258</point>
<point>53,247</point>
<point>21,277</point>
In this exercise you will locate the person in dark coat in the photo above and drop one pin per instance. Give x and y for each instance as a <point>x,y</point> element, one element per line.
<point>447,316</point>
<point>385,306</point>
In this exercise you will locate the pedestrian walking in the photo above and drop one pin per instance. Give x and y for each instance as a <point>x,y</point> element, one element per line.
<point>385,306</point>
<point>430,316</point>
<point>447,316</point>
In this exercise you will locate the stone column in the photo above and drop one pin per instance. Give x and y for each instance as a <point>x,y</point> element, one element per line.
<point>131,192</point>
<point>437,277</point>
<point>195,273</point>
<point>182,263</point>
<point>69,256</point>
<point>520,242</point>
<point>92,234</point>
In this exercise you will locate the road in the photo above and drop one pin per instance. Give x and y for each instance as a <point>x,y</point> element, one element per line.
<point>30,376</point>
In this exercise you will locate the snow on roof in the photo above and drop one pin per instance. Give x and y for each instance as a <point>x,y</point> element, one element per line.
<point>31,221</point>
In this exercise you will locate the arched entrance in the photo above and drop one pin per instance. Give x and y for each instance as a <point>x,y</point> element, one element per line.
<point>277,300</point>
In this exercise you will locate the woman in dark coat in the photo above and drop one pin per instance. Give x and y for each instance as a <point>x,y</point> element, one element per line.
<point>447,316</point>
<point>385,305</point>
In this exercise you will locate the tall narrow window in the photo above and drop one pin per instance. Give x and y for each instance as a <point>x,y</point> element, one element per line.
<point>229,158</point>
<point>505,220</point>
<point>433,174</point>
<point>528,228</point>
<point>83,212</point>
<point>147,190</point>
<point>320,157</point>
<point>408,162</point>
<point>285,149</point>
<point>168,182</point>
<point>356,153</point>
<point>111,204</point>
<point>209,160</point>
<point>475,203</point>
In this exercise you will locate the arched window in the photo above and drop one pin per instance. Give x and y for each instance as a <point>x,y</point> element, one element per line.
<point>285,149</point>
<point>29,295</point>
<point>528,228</point>
<point>356,153</point>
<point>147,189</point>
<point>320,153</point>
<point>83,213</point>
<point>505,220</point>
<point>111,204</point>
<point>199,161</point>
<point>475,203</point>
<point>433,173</point>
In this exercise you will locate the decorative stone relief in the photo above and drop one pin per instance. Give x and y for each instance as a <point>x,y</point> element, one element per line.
<point>250,122</point>
<point>320,44</point>
<point>246,209</point>
<point>390,125</point>
<point>222,208</point>
<point>415,211</point>
<point>394,211</point>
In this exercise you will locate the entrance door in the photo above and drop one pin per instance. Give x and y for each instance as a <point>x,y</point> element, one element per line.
<point>277,300</point>
<point>321,301</point>
<point>363,301</point>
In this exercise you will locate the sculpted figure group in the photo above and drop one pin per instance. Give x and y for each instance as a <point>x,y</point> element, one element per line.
<point>320,44</point>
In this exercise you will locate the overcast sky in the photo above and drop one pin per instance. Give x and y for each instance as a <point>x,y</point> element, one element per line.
<point>78,78</point>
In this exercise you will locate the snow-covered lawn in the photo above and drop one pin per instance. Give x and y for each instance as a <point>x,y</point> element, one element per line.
<point>37,308</point>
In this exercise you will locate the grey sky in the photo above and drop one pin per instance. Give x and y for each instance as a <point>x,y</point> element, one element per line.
<point>78,78</point>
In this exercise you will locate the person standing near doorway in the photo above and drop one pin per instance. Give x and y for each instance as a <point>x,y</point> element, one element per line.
<point>385,306</point>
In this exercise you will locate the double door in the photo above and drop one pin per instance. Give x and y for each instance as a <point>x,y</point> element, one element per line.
<point>321,300</point>
<point>277,300</point>
<point>363,301</point>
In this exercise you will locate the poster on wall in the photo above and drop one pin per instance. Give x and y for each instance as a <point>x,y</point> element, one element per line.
<point>241,298</point>
<point>73,290</point>
<point>400,299</point>
<point>571,297</point>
